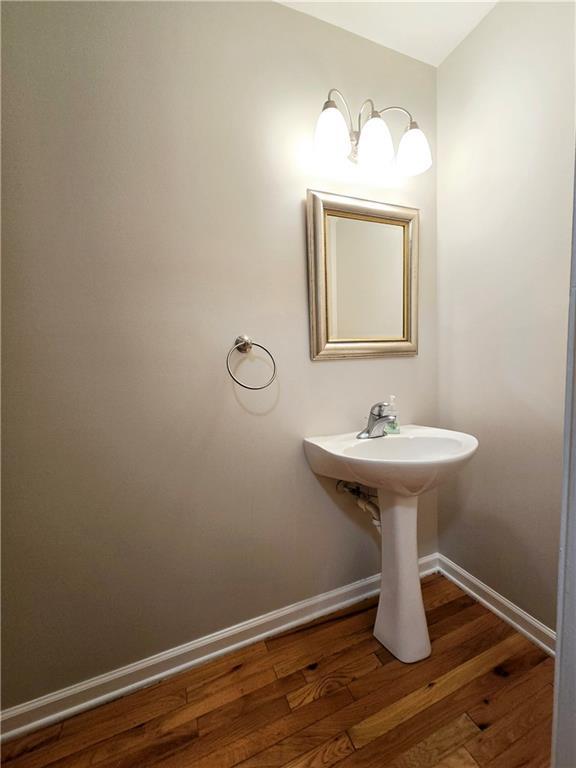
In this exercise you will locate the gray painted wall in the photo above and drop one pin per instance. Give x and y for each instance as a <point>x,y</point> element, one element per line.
<point>505,173</point>
<point>156,160</point>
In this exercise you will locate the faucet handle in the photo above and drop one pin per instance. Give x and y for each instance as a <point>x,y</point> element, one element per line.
<point>379,409</point>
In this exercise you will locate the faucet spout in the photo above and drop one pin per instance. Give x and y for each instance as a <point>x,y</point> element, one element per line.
<point>379,422</point>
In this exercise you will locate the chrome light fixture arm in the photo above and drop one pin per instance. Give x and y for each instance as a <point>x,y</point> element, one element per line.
<point>411,122</point>
<point>369,103</point>
<point>354,134</point>
<point>343,100</point>
<point>399,109</point>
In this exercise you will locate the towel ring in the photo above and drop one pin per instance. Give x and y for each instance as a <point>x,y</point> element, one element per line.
<point>244,344</point>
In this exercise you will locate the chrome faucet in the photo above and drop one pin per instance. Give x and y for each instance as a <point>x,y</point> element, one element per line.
<point>378,422</point>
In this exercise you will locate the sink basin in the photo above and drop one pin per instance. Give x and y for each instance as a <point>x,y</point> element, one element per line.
<point>407,464</point>
<point>400,467</point>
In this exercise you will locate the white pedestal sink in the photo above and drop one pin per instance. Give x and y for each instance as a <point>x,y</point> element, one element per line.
<point>400,467</point>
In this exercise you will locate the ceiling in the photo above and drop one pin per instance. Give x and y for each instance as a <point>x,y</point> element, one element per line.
<point>428,31</point>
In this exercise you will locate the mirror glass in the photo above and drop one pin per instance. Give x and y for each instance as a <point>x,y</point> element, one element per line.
<point>362,277</point>
<point>365,266</point>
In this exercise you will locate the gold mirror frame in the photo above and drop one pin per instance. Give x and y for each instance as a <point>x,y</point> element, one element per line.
<point>319,206</point>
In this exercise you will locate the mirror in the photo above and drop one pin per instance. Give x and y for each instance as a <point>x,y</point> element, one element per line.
<point>362,262</point>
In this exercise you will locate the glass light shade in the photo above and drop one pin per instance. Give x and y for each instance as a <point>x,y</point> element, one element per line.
<point>375,147</point>
<point>414,154</point>
<point>332,140</point>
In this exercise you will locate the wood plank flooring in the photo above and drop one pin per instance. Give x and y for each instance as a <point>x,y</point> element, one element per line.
<point>328,694</point>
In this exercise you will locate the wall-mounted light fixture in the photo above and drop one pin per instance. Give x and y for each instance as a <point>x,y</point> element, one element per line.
<point>370,145</point>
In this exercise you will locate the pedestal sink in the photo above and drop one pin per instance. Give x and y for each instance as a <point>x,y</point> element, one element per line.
<point>400,467</point>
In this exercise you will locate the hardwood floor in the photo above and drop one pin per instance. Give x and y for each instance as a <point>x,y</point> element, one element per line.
<point>328,694</point>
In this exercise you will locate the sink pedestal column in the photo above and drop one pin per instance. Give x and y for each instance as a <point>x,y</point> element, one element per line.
<point>400,621</point>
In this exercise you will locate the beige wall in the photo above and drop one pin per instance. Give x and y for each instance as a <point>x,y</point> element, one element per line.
<point>155,170</point>
<point>506,128</point>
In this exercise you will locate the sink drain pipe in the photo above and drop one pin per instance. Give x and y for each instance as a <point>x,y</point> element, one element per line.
<point>363,500</point>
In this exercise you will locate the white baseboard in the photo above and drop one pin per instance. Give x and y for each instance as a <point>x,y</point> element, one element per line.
<point>59,705</point>
<point>48,709</point>
<point>527,625</point>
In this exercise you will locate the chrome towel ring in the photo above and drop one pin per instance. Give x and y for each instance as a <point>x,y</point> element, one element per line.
<point>244,344</point>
